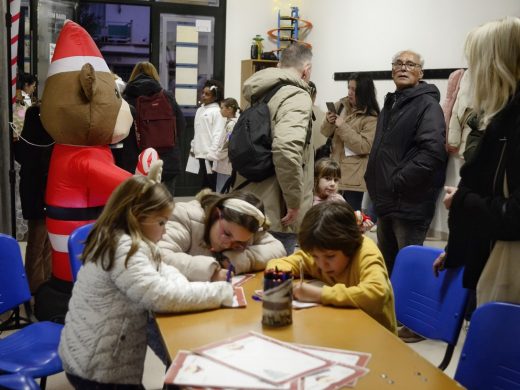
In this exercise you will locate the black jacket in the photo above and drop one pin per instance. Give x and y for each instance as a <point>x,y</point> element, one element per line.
<point>406,166</point>
<point>479,213</point>
<point>33,153</point>
<point>126,157</point>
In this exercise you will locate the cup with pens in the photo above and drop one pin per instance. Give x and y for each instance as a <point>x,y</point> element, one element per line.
<point>277,298</point>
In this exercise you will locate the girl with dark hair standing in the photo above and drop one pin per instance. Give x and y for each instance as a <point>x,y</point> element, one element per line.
<point>207,127</point>
<point>353,127</point>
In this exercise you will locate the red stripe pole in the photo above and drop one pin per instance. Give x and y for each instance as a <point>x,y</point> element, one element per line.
<point>14,7</point>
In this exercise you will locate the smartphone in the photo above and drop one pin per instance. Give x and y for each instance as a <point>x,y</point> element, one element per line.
<point>331,107</point>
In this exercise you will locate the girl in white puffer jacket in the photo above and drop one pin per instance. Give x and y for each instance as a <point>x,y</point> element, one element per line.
<point>104,339</point>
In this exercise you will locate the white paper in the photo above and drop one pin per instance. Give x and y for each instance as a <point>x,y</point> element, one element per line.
<point>264,357</point>
<point>302,305</point>
<point>185,75</point>
<point>187,55</point>
<point>193,165</point>
<point>186,96</point>
<point>187,34</point>
<point>203,25</point>
<point>349,152</point>
<point>203,372</point>
<point>332,378</point>
<point>209,168</point>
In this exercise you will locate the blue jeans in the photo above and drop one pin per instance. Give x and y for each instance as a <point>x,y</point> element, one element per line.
<point>396,233</point>
<point>287,239</point>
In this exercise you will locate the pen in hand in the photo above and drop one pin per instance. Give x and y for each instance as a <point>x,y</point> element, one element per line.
<point>229,274</point>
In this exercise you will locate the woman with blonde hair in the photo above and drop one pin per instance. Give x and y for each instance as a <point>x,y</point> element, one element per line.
<point>144,81</point>
<point>485,208</point>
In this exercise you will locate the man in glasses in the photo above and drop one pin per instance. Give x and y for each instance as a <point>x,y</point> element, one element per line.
<point>406,166</point>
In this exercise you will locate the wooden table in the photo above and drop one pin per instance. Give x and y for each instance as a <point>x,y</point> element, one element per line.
<point>393,364</point>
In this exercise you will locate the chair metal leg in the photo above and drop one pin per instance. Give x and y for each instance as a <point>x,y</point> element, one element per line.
<point>15,321</point>
<point>447,357</point>
<point>43,382</point>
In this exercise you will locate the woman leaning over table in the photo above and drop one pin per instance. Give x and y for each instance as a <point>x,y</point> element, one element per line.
<point>206,236</point>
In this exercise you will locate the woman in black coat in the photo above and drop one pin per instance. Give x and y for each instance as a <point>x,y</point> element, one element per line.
<point>480,214</point>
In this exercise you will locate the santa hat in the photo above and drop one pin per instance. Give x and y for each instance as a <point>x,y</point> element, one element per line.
<point>74,48</point>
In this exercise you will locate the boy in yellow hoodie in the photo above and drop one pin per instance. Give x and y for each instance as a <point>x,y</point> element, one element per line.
<point>334,251</point>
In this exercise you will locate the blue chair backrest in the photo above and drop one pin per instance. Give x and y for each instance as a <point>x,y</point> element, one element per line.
<point>76,245</point>
<point>431,306</point>
<point>490,357</point>
<point>14,287</point>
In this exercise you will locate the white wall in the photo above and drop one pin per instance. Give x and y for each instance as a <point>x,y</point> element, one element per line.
<point>357,35</point>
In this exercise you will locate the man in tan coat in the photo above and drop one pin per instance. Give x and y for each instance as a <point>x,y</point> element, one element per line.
<point>288,194</point>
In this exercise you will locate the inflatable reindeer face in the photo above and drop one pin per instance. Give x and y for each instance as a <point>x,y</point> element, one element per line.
<point>81,104</point>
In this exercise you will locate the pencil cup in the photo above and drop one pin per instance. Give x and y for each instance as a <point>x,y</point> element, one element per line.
<point>277,299</point>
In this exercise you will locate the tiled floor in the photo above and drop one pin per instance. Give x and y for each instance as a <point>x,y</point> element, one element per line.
<point>154,369</point>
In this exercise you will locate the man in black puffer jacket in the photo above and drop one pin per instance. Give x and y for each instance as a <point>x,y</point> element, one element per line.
<point>406,167</point>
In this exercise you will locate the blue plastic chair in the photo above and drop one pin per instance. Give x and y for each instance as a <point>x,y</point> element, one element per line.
<point>33,350</point>
<point>18,382</point>
<point>76,244</point>
<point>430,306</point>
<point>12,283</point>
<point>490,357</point>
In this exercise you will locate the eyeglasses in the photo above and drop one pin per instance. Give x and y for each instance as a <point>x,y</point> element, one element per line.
<point>409,65</point>
<point>227,239</point>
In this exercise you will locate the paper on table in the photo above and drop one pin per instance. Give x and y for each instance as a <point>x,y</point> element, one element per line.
<point>239,280</point>
<point>193,165</point>
<point>342,356</point>
<point>264,357</point>
<point>303,305</point>
<point>188,369</point>
<point>333,377</point>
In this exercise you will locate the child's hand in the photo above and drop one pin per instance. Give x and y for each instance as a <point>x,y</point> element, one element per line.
<point>307,293</point>
<point>367,225</point>
<point>220,275</point>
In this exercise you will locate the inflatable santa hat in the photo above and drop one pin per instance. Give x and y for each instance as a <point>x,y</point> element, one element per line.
<point>74,49</point>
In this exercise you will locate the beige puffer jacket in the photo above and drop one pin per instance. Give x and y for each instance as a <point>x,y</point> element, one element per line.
<point>357,134</point>
<point>293,151</point>
<point>183,246</point>
<point>104,338</point>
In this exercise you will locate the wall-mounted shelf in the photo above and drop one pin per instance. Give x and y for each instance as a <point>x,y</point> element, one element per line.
<point>429,74</point>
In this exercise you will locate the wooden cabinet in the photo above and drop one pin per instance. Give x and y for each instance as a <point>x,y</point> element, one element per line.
<point>248,68</point>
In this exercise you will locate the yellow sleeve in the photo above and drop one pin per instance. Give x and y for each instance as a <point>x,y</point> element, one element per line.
<point>292,263</point>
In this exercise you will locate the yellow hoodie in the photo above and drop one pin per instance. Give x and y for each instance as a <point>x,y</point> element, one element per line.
<point>366,285</point>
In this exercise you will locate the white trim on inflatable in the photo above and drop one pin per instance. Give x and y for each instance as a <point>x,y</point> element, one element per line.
<point>59,242</point>
<point>74,64</point>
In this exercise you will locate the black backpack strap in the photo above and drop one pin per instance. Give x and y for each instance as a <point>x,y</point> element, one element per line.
<point>229,184</point>
<point>340,108</point>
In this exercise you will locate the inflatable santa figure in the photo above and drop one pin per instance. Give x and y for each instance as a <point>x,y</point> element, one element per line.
<point>84,113</point>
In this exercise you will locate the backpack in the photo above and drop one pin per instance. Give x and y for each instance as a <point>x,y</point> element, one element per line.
<point>250,144</point>
<point>155,122</point>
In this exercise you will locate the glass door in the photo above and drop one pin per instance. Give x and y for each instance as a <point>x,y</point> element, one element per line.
<point>186,57</point>
<point>186,61</point>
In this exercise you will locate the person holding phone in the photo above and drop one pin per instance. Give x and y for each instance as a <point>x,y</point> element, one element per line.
<point>352,124</point>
